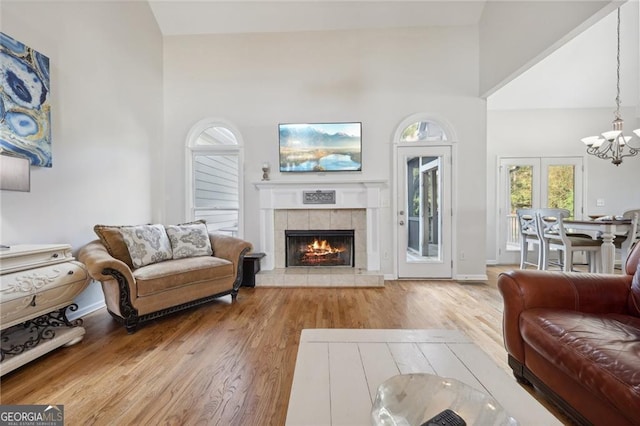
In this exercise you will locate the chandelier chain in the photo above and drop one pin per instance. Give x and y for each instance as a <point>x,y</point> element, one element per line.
<point>614,145</point>
<point>618,70</point>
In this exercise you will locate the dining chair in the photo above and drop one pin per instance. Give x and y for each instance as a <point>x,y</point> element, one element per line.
<point>546,226</point>
<point>554,236</point>
<point>527,225</point>
<point>624,245</point>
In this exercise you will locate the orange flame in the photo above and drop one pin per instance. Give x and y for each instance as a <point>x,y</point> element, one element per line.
<point>321,248</point>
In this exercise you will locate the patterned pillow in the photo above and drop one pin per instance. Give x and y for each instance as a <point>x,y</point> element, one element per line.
<point>147,244</point>
<point>189,240</point>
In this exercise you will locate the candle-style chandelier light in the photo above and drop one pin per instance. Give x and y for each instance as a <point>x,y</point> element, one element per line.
<point>613,144</point>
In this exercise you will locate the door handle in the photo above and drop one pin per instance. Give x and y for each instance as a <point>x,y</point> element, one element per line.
<point>402,222</point>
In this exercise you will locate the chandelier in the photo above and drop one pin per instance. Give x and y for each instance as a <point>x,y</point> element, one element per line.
<point>613,144</point>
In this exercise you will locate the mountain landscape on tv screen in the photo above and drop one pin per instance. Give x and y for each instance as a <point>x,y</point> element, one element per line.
<point>319,148</point>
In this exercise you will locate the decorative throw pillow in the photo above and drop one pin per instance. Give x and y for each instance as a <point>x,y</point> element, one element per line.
<point>189,240</point>
<point>111,237</point>
<point>147,244</point>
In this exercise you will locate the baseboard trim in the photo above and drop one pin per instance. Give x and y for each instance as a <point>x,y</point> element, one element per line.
<point>85,310</point>
<point>478,277</point>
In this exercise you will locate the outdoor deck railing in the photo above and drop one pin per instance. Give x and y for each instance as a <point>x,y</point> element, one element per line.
<point>513,232</point>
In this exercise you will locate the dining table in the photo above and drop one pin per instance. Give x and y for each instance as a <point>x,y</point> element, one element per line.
<point>605,230</point>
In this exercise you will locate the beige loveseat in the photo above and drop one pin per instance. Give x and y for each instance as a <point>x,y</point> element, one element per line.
<point>167,282</point>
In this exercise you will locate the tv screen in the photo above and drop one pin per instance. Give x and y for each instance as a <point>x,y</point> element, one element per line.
<point>320,147</point>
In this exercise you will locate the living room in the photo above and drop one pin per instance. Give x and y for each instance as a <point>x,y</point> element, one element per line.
<point>168,89</point>
<point>124,97</point>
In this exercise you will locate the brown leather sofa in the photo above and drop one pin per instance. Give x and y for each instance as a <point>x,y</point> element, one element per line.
<point>576,337</point>
<point>134,296</point>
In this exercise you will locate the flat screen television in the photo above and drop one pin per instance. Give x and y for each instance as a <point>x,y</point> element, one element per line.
<point>320,147</point>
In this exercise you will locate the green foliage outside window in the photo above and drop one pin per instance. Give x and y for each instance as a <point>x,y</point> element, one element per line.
<point>415,204</point>
<point>560,187</point>
<point>521,181</point>
<point>410,132</point>
<point>560,190</point>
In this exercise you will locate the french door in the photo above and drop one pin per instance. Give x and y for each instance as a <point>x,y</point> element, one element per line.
<point>424,212</point>
<point>534,182</point>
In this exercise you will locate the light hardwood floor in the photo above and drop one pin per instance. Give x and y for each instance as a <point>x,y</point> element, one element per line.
<point>232,364</point>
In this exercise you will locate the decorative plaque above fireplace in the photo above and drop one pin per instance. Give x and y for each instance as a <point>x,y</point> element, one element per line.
<point>319,197</point>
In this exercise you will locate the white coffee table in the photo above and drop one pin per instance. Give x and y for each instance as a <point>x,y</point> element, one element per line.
<point>338,372</point>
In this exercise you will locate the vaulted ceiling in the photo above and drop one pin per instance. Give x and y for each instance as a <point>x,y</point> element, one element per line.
<point>563,76</point>
<point>181,17</point>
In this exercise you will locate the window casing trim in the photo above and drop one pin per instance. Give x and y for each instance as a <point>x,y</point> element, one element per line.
<point>448,129</point>
<point>192,149</point>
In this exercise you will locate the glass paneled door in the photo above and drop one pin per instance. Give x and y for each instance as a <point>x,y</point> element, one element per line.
<point>424,212</point>
<point>534,182</point>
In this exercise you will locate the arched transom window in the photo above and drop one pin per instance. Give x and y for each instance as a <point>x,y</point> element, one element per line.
<point>424,131</point>
<point>216,136</point>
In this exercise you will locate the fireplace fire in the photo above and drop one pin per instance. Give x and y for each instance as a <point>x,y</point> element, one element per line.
<point>319,248</point>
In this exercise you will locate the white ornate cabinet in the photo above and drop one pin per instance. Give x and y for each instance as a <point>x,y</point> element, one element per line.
<point>38,283</point>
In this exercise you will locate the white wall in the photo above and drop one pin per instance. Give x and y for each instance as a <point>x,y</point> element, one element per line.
<point>106,109</point>
<point>514,35</point>
<point>377,77</point>
<point>570,77</point>
<point>557,132</point>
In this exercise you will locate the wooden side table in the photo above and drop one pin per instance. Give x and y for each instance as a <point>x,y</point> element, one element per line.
<point>250,267</point>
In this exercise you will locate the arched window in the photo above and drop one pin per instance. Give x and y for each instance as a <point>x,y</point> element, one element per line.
<point>214,176</point>
<point>424,131</point>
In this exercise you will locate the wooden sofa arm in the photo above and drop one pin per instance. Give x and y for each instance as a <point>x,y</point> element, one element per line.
<point>589,293</point>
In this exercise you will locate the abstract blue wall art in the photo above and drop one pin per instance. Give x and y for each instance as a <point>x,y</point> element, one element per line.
<point>25,109</point>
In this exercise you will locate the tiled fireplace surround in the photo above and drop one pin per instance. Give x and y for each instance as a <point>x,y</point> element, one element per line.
<point>305,219</point>
<point>356,207</point>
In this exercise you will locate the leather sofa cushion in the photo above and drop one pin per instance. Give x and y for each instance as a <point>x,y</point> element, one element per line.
<point>172,274</point>
<point>602,352</point>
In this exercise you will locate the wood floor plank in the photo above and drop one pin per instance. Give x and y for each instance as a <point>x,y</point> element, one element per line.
<point>232,363</point>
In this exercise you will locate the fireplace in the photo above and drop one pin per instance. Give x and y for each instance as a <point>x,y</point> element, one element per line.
<point>358,206</point>
<point>319,248</point>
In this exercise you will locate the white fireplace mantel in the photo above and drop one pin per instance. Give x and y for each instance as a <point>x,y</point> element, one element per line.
<point>275,195</point>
